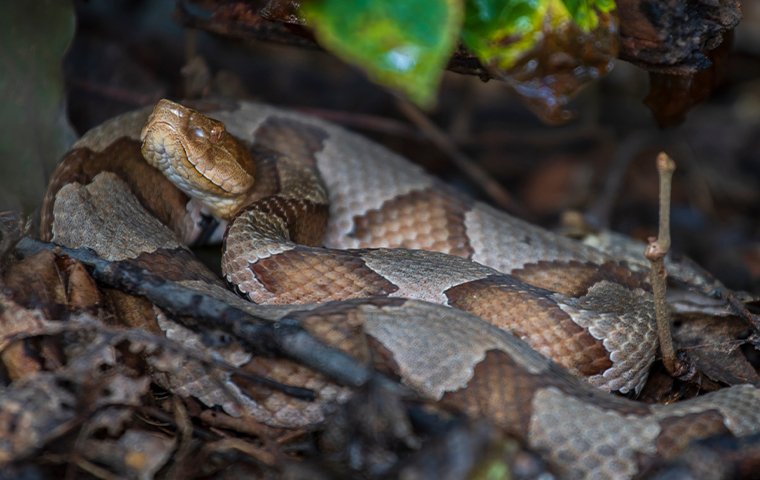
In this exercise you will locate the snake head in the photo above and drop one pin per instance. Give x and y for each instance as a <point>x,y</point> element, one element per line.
<point>199,156</point>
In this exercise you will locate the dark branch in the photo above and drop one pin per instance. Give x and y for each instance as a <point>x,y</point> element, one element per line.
<point>201,312</point>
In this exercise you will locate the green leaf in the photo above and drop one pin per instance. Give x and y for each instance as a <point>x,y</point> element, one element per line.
<point>500,32</point>
<point>585,13</point>
<point>401,44</point>
<point>546,50</point>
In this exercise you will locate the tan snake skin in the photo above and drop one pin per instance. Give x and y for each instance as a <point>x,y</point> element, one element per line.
<point>297,185</point>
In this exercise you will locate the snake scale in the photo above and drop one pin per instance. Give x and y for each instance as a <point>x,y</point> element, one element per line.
<point>319,219</point>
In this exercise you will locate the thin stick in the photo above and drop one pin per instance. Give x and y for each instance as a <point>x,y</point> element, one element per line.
<point>655,253</point>
<point>373,123</point>
<point>267,458</point>
<point>601,210</point>
<point>199,311</point>
<point>491,187</point>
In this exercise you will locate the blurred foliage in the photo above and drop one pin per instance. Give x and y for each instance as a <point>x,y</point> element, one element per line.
<point>34,131</point>
<point>585,13</point>
<point>405,45</point>
<point>501,32</point>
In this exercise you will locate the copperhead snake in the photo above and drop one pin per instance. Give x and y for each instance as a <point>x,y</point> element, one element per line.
<point>317,214</point>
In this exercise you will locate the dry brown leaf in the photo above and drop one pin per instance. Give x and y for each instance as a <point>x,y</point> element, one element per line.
<point>714,344</point>
<point>136,454</point>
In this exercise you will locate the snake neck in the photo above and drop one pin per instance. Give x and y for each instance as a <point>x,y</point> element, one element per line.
<point>288,201</point>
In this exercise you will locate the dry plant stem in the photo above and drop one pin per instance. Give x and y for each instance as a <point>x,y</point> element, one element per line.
<point>363,121</point>
<point>110,92</point>
<point>601,210</point>
<point>185,443</point>
<point>94,470</point>
<point>243,424</point>
<point>246,448</point>
<point>655,253</point>
<point>492,188</point>
<point>205,313</point>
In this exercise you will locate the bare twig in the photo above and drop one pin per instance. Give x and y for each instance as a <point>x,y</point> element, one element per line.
<point>600,211</point>
<point>243,424</point>
<point>93,469</point>
<point>665,167</point>
<point>267,458</point>
<point>118,93</point>
<point>373,123</point>
<point>537,137</point>
<point>655,253</point>
<point>153,415</point>
<point>491,187</point>
<point>184,443</point>
<point>198,311</point>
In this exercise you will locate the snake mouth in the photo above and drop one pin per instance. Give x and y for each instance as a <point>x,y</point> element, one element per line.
<point>163,123</point>
<point>176,140</point>
<point>160,141</point>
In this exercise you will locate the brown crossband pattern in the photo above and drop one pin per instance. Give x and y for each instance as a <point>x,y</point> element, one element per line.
<point>425,220</point>
<point>574,278</point>
<point>532,316</point>
<point>308,275</point>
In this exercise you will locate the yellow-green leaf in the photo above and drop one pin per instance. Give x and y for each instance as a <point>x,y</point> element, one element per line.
<point>546,50</point>
<point>403,45</point>
<point>499,32</point>
<point>585,13</point>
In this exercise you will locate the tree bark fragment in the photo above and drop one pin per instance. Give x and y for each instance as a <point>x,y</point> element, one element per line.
<point>674,36</point>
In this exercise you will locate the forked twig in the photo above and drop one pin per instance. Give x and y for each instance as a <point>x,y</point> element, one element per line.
<point>655,252</point>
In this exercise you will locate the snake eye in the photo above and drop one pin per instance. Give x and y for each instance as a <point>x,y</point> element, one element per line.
<point>198,132</point>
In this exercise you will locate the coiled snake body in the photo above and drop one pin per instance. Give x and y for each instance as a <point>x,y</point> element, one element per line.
<point>318,214</point>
